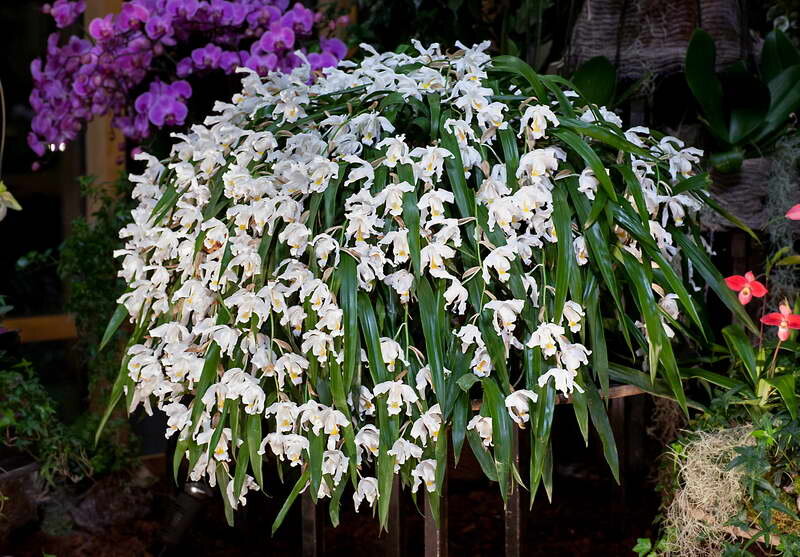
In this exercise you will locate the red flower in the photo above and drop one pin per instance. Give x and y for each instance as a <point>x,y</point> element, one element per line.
<point>794,213</point>
<point>747,286</point>
<point>784,320</point>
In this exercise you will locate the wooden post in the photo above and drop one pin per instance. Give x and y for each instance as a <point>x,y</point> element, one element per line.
<point>436,534</point>
<point>313,527</point>
<point>104,158</point>
<point>392,540</point>
<point>513,511</point>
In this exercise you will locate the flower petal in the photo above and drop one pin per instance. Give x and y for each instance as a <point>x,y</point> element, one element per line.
<point>794,213</point>
<point>774,319</point>
<point>758,289</point>
<point>736,282</point>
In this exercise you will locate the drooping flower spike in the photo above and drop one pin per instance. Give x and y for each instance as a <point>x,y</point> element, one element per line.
<point>783,319</point>
<point>747,286</point>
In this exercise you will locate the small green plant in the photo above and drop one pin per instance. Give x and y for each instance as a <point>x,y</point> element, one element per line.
<point>86,265</point>
<point>29,423</point>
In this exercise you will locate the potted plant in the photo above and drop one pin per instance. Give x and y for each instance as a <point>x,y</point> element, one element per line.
<point>329,270</point>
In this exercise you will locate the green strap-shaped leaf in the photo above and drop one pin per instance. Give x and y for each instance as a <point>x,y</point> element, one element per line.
<point>298,487</point>
<point>540,434</point>
<point>740,345</point>
<point>254,438</point>
<point>348,299</point>
<point>501,433</point>
<point>512,64</point>
<point>113,324</point>
<point>597,412</point>
<point>659,345</point>
<point>482,455</point>
<point>565,252</point>
<point>242,464</point>
<point>222,482</point>
<point>589,157</point>
<point>712,276</point>
<point>429,316</point>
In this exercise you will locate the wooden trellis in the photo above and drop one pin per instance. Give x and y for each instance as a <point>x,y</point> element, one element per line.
<point>435,535</point>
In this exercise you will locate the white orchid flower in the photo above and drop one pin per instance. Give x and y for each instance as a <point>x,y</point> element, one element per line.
<point>292,365</point>
<point>505,314</point>
<point>573,355</point>
<point>399,241</point>
<point>469,334</point>
<point>581,253</point>
<point>391,351</point>
<point>535,120</point>
<point>401,281</point>
<point>518,405</point>
<point>392,197</point>
<point>564,380</point>
<point>424,473</point>
<point>500,260</point>
<point>368,437</point>
<point>399,394</point>
<point>456,295</point>
<point>423,380</point>
<point>334,464</point>
<point>483,426</point>
<point>286,414</point>
<point>367,489</point>
<point>434,256</point>
<point>396,151</point>
<point>402,451</point>
<point>428,424</point>
<point>573,314</point>
<point>481,364</point>
<point>545,337</point>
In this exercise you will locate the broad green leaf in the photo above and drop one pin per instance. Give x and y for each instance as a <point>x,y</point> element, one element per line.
<point>702,79</point>
<point>777,54</point>
<point>785,99</point>
<point>242,463</point>
<point>596,80</point>
<point>658,342</point>
<point>786,387</point>
<point>466,381</point>
<point>429,316</point>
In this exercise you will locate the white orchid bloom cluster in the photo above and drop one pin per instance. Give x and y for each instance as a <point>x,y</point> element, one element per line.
<point>323,271</point>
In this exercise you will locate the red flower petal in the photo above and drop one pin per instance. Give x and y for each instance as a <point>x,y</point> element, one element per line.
<point>774,319</point>
<point>758,289</point>
<point>794,213</point>
<point>736,282</point>
<point>794,321</point>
